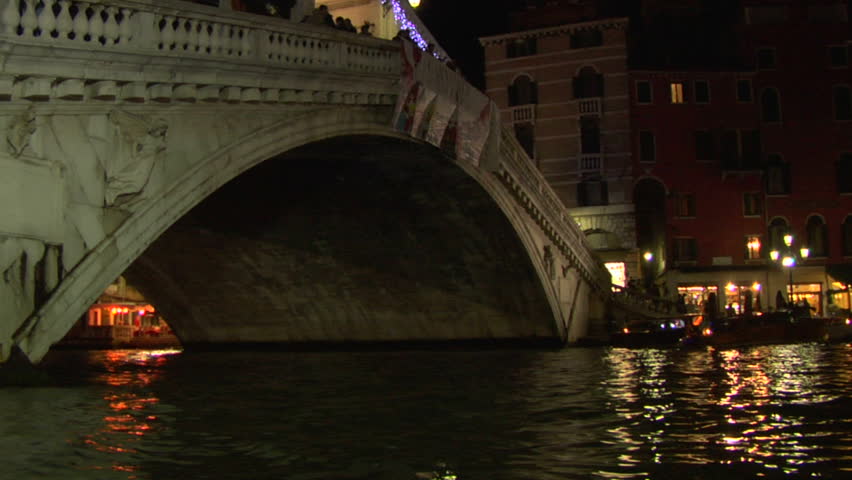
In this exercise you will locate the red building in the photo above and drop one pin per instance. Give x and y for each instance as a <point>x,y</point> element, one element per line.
<point>739,128</point>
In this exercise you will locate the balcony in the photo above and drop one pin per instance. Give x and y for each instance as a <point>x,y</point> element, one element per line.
<point>589,106</point>
<point>523,113</point>
<point>590,162</point>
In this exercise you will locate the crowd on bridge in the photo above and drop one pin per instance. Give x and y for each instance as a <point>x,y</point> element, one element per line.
<point>295,10</point>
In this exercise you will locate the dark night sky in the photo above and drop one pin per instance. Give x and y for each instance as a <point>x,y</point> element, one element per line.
<point>458,24</point>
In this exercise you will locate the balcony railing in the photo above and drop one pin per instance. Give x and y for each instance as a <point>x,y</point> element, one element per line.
<point>589,106</point>
<point>590,162</point>
<point>523,113</point>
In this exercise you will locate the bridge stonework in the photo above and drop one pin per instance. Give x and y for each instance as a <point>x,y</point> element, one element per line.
<point>119,122</point>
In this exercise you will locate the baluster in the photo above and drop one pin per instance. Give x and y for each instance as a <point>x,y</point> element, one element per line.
<point>46,19</point>
<point>168,32</point>
<point>80,27</point>
<point>29,21</point>
<point>96,23</point>
<point>11,18</point>
<point>180,34</point>
<point>204,38</point>
<point>245,42</point>
<point>228,40</point>
<point>125,31</point>
<point>192,38</point>
<point>111,26</point>
<point>215,39</point>
<point>64,25</point>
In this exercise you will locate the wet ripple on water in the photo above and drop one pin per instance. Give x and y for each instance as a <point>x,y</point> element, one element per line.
<point>780,411</point>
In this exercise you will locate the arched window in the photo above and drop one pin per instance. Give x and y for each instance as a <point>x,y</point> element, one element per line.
<point>588,83</point>
<point>847,236</point>
<point>842,103</point>
<point>770,105</point>
<point>777,229</point>
<point>523,91</point>
<point>817,236</point>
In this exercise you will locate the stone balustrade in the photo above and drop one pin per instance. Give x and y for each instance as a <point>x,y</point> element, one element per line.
<point>548,210</point>
<point>184,29</point>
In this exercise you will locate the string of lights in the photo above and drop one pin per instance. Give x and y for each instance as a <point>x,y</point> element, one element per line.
<point>405,24</point>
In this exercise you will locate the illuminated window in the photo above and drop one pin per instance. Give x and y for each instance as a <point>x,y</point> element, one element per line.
<point>618,272</point>
<point>677,92</point>
<point>753,247</point>
<point>752,204</point>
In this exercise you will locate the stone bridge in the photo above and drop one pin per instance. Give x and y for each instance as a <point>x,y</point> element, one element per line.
<point>268,181</point>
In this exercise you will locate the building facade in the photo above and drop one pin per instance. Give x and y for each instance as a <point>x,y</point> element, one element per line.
<point>564,92</point>
<point>730,157</point>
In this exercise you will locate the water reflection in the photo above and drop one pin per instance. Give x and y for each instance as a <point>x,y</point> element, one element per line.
<point>771,412</point>
<point>748,407</point>
<point>128,411</point>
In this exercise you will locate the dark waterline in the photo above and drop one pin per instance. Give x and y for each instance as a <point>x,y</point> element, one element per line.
<point>771,412</point>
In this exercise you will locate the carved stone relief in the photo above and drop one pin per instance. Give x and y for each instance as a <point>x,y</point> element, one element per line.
<point>20,133</point>
<point>140,141</point>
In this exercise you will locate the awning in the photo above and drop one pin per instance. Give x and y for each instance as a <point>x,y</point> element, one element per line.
<point>841,272</point>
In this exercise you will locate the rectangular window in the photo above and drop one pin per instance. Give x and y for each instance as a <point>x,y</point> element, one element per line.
<point>702,91</point>
<point>750,149</point>
<point>744,91</point>
<point>521,47</point>
<point>677,92</point>
<point>765,58</point>
<point>752,204</point>
<point>643,91</point>
<point>844,173</point>
<point>686,249</point>
<point>777,176</point>
<point>647,149</point>
<point>838,56</point>
<point>684,205</point>
<point>753,247</point>
<point>842,102</point>
<point>705,148</point>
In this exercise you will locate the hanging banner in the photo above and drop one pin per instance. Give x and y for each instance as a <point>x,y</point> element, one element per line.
<point>438,105</point>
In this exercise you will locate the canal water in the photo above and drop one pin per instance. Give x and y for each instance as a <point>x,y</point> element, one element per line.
<point>761,412</point>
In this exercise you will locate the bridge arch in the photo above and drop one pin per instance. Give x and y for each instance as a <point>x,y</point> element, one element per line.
<point>156,214</point>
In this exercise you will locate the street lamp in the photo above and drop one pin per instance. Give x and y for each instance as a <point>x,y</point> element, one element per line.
<point>414,3</point>
<point>789,259</point>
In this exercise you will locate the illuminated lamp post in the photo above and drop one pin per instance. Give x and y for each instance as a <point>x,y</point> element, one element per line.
<point>414,3</point>
<point>788,258</point>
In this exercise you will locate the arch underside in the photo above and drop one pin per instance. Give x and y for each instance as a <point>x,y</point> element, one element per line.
<point>350,239</point>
